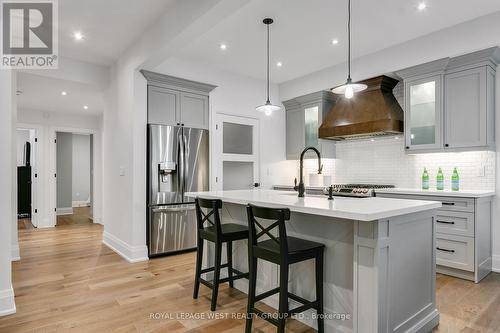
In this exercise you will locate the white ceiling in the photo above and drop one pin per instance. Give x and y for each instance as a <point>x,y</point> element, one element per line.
<point>303,30</point>
<point>43,93</point>
<point>109,26</point>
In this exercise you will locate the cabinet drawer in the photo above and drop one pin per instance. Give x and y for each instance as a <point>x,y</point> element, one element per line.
<point>455,251</point>
<point>456,223</point>
<point>456,204</point>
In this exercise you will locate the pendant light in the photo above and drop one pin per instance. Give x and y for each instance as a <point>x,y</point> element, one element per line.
<point>267,108</point>
<point>349,88</point>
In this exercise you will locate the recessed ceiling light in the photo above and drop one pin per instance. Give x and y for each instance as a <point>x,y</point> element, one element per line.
<point>279,64</point>
<point>85,107</point>
<point>223,46</point>
<point>64,93</point>
<point>77,35</point>
<point>422,6</point>
<point>335,41</point>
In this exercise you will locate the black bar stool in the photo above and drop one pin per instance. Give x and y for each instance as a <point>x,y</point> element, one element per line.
<point>283,251</point>
<point>217,233</point>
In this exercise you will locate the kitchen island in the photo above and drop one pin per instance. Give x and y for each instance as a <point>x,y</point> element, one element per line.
<point>379,258</point>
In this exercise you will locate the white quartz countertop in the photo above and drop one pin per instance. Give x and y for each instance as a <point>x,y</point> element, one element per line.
<point>362,209</point>
<point>445,193</point>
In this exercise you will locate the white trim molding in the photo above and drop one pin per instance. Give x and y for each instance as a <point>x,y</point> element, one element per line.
<point>15,254</point>
<point>64,211</point>
<point>81,203</point>
<point>130,253</point>
<point>496,263</point>
<point>7,303</point>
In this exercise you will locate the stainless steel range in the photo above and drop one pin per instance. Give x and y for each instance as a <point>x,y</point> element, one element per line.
<point>356,190</point>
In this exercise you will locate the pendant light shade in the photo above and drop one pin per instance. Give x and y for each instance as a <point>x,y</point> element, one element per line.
<point>267,107</point>
<point>349,88</point>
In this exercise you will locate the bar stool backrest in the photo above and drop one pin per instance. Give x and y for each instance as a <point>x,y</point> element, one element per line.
<point>212,206</point>
<point>257,230</point>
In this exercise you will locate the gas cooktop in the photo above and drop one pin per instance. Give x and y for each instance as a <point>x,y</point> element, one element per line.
<point>356,190</point>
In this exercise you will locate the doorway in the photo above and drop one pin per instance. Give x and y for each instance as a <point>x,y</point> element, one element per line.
<point>74,178</point>
<point>237,145</point>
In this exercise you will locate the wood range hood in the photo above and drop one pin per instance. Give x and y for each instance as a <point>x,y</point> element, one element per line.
<point>372,112</point>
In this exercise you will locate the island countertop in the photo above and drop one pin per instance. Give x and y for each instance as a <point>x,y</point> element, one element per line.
<point>361,209</point>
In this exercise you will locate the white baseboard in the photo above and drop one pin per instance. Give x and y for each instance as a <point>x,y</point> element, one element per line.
<point>97,220</point>
<point>81,203</point>
<point>7,303</point>
<point>15,256</point>
<point>496,263</point>
<point>64,211</point>
<point>130,253</point>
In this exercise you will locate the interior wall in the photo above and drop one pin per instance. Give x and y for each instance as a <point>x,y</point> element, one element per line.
<point>46,123</point>
<point>8,205</point>
<point>80,195</point>
<point>64,170</point>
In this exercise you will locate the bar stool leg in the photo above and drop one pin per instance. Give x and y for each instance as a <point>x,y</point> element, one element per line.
<point>215,289</point>
<point>319,291</point>
<point>252,283</point>
<point>230,263</point>
<point>283,298</point>
<point>199,259</point>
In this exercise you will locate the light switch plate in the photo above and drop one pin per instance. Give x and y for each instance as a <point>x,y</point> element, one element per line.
<point>122,171</point>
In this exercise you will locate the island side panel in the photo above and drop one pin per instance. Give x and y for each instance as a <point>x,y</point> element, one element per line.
<point>337,235</point>
<point>394,274</point>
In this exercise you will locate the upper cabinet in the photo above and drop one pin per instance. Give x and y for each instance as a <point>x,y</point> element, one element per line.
<point>450,103</point>
<point>304,115</point>
<point>424,112</point>
<point>178,102</point>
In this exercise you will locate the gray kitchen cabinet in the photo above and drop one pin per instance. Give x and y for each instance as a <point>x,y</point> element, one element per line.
<point>469,108</point>
<point>424,112</point>
<point>176,101</point>
<point>194,110</point>
<point>304,115</point>
<point>163,106</point>
<point>459,113</point>
<point>463,234</point>
<point>423,105</point>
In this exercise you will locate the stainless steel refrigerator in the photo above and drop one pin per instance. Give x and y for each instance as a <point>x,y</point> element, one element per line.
<point>177,163</point>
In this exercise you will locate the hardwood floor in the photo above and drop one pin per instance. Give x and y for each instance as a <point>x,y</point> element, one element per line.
<point>80,215</point>
<point>68,281</point>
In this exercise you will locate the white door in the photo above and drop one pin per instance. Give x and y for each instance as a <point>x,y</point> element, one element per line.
<point>236,152</point>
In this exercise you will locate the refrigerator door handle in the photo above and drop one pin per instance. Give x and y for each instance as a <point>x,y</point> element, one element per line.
<point>185,162</point>
<point>182,166</point>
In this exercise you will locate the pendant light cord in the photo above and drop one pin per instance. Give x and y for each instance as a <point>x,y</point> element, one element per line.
<point>268,101</point>
<point>348,40</point>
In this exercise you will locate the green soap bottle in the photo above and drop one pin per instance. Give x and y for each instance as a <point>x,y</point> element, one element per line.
<point>440,180</point>
<point>455,180</point>
<point>425,180</point>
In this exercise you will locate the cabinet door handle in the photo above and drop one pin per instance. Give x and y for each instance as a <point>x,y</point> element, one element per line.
<point>445,250</point>
<point>448,203</point>
<point>445,222</point>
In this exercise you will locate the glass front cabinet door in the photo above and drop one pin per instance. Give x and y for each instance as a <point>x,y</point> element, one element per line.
<point>304,116</point>
<point>424,113</point>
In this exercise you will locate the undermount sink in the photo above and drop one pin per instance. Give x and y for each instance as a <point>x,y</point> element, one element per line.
<point>295,194</point>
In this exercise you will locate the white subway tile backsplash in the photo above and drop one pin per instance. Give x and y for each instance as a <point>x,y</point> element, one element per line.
<point>384,161</point>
